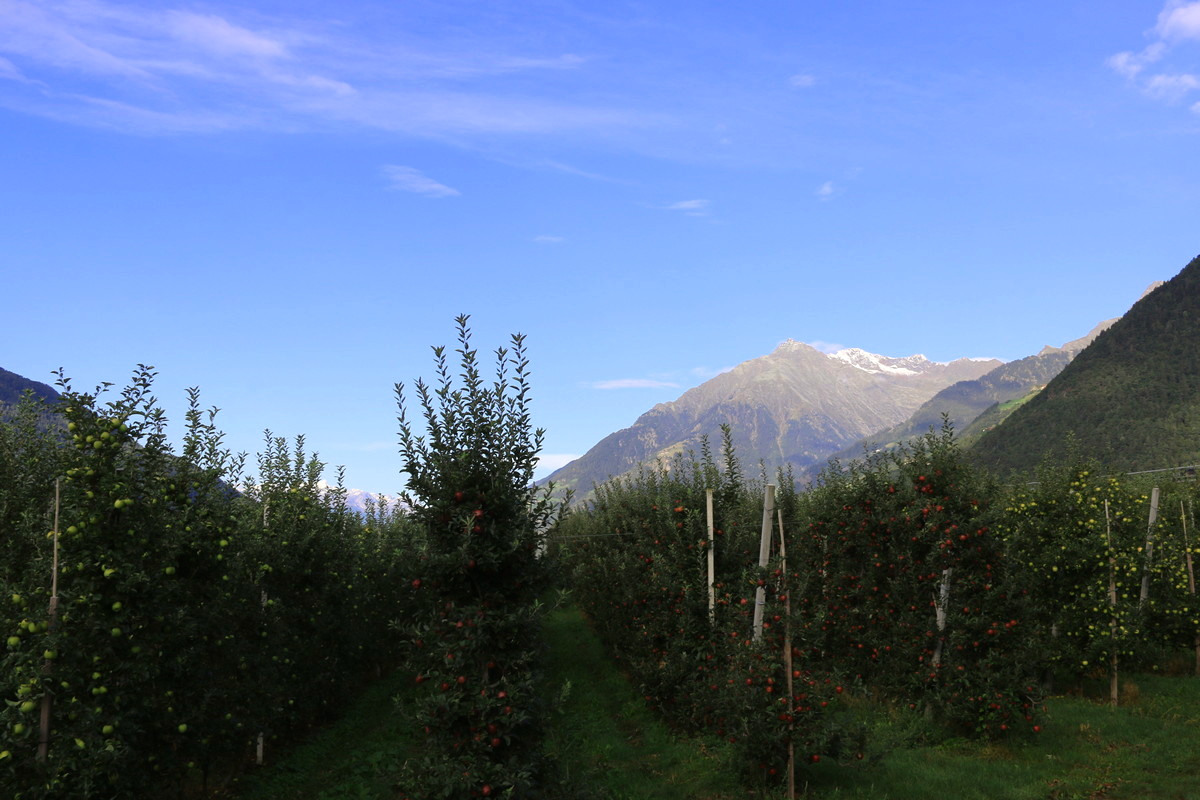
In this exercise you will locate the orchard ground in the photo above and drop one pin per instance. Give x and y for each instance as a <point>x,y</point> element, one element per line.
<point>610,745</point>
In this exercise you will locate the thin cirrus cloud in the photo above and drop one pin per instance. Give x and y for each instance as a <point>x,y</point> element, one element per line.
<point>218,35</point>
<point>802,81</point>
<point>1151,69</point>
<point>155,70</point>
<point>693,208</point>
<point>408,179</point>
<point>547,239</point>
<point>634,383</point>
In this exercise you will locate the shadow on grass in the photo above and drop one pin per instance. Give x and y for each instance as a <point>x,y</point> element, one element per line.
<point>608,745</point>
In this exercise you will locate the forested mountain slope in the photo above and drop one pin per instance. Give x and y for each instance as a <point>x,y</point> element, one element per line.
<point>1131,399</point>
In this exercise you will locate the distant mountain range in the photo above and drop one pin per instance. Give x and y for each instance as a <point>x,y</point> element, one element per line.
<point>990,397</point>
<point>794,406</point>
<point>801,407</point>
<point>357,499</point>
<point>1126,394</point>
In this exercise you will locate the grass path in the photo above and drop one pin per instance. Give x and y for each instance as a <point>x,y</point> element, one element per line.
<point>603,730</point>
<point>351,760</point>
<point>611,747</point>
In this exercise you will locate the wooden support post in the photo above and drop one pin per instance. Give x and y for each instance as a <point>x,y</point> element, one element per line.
<point>47,697</point>
<point>764,556</point>
<point>941,603</point>
<point>787,654</point>
<point>1187,559</point>
<point>1148,555</point>
<point>712,558</point>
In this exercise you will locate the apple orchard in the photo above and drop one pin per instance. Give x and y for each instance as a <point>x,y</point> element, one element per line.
<point>167,616</point>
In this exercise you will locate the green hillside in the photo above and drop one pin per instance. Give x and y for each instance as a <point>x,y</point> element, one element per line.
<point>1131,400</point>
<point>12,386</point>
<point>993,416</point>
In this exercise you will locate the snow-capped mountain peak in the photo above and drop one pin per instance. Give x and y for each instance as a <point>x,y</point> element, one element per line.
<point>872,362</point>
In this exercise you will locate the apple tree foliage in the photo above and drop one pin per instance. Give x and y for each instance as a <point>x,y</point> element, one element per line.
<point>1108,582</point>
<point>474,645</point>
<point>909,590</point>
<point>638,556</point>
<point>895,586</point>
<point>191,617</point>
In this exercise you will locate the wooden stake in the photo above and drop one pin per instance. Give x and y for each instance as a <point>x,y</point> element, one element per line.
<point>712,563</point>
<point>764,556</point>
<point>47,666</point>
<point>1112,605</point>
<point>787,654</point>
<point>941,602</point>
<point>1187,558</point>
<point>1149,555</point>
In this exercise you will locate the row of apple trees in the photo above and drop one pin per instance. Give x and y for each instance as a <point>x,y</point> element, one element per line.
<point>176,624</point>
<point>475,646</point>
<point>1110,560</point>
<point>910,578</point>
<point>639,553</point>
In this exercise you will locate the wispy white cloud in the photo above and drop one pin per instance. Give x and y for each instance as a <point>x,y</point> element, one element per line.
<point>1172,86</point>
<point>634,383</point>
<point>826,190</point>
<point>826,347</point>
<point>218,35</point>
<point>1129,64</point>
<point>693,208</point>
<point>547,239</point>
<point>149,65</point>
<point>802,81</point>
<point>1178,22</point>
<point>571,170</point>
<point>408,179</point>
<point>9,71</point>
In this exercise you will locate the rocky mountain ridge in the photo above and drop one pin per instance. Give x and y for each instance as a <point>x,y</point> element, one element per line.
<point>796,405</point>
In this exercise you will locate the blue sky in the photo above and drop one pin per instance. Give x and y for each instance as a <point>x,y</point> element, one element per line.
<point>287,203</point>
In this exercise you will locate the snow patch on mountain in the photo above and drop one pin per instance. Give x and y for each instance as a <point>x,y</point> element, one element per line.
<point>872,362</point>
<point>356,499</point>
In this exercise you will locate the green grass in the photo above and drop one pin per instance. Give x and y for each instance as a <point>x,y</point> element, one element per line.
<point>1147,750</point>
<point>606,739</point>
<point>608,744</point>
<point>353,759</point>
